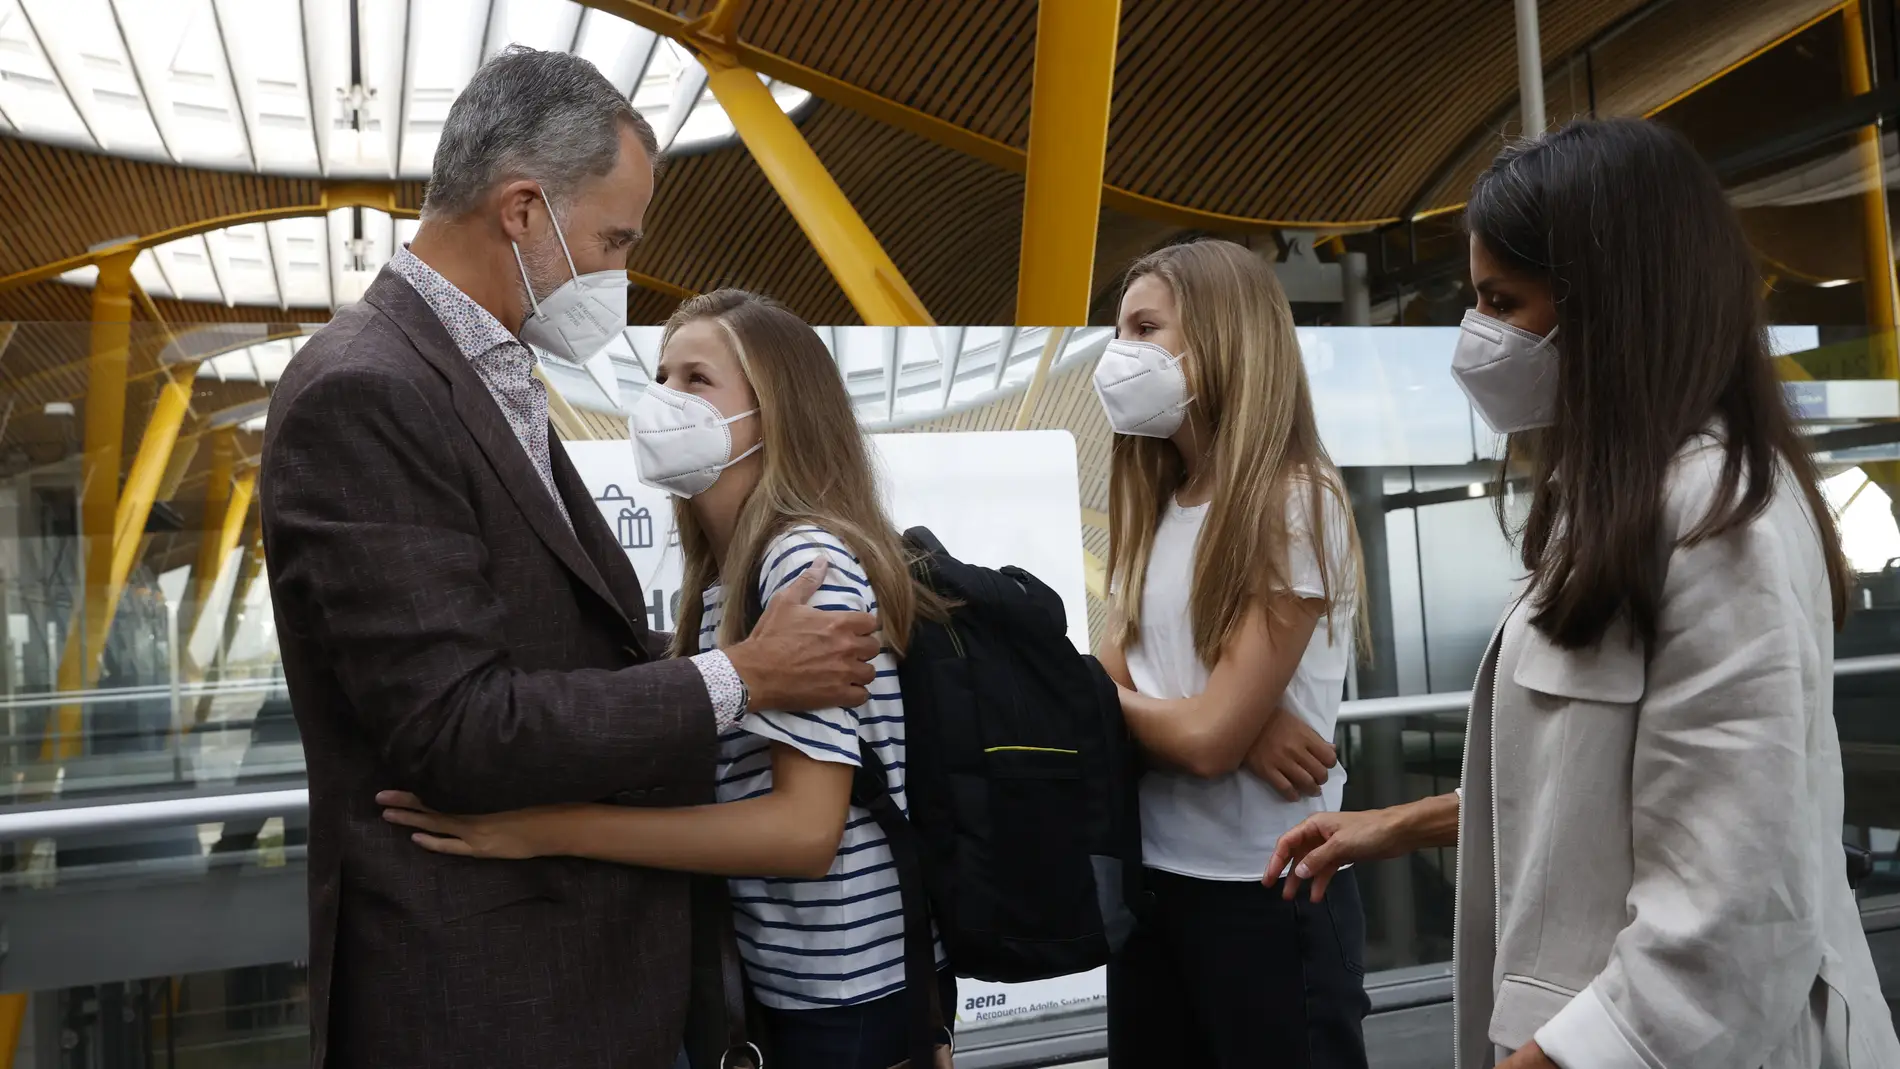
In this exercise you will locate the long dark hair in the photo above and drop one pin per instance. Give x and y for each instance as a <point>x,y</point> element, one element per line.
<point>1659,336</point>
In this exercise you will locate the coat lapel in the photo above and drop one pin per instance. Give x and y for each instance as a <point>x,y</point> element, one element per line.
<point>598,541</point>
<point>476,408</point>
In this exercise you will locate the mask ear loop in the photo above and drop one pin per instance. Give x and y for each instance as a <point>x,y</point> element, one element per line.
<point>556,224</point>
<point>534,305</point>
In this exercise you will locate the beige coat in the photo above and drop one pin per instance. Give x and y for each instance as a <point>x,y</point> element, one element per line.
<point>1650,872</point>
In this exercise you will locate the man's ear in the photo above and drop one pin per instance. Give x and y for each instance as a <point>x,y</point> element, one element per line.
<point>515,206</point>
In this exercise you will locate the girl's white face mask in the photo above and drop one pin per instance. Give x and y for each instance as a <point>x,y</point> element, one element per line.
<point>681,443</point>
<point>1142,389</point>
<point>1509,374</point>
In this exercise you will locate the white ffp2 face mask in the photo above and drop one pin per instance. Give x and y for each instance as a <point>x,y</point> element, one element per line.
<point>582,315</point>
<point>1142,388</point>
<point>1509,374</point>
<point>681,443</point>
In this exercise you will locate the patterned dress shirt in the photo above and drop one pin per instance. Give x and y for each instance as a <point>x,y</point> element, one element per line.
<point>506,366</point>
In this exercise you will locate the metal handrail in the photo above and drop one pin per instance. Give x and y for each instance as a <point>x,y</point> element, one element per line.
<point>206,809</point>
<point>1364,709</point>
<point>156,692</point>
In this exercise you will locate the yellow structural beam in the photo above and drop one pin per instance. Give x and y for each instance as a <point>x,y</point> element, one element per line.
<point>1068,142</point>
<point>231,528</point>
<point>12,1026</point>
<point>378,195</point>
<point>943,132</point>
<point>863,270</point>
<point>567,422</point>
<point>204,572</point>
<point>1881,289</point>
<point>1882,296</point>
<point>98,495</point>
<point>1051,346</point>
<point>1095,575</point>
<point>148,470</point>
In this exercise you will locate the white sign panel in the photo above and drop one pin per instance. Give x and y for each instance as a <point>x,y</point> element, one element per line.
<point>996,498</point>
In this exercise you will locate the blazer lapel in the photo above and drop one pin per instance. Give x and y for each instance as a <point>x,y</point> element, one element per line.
<point>477,409</point>
<point>597,540</point>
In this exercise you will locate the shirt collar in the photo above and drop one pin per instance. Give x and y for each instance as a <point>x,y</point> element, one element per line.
<point>472,328</point>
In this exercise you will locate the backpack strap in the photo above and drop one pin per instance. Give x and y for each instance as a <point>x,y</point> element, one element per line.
<point>870,789</point>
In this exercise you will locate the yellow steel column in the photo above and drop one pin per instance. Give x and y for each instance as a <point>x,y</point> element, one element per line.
<point>1883,299</point>
<point>1881,288</point>
<point>1050,347</point>
<point>204,572</point>
<point>1068,140</point>
<point>235,511</point>
<point>149,468</point>
<point>1095,575</point>
<point>98,493</point>
<point>863,270</point>
<point>12,1025</point>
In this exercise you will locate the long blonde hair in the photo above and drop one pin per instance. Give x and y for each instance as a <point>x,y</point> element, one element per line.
<point>817,470</point>
<point>1244,371</point>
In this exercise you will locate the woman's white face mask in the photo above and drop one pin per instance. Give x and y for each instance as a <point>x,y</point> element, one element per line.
<point>1509,374</point>
<point>1142,388</point>
<point>681,443</point>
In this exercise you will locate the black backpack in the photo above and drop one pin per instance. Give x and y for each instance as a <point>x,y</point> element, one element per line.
<point>1023,843</point>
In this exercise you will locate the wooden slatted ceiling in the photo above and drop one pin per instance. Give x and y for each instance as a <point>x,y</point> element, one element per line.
<point>57,202</point>
<point>1640,69</point>
<point>1264,107</point>
<point>950,222</point>
<point>59,302</point>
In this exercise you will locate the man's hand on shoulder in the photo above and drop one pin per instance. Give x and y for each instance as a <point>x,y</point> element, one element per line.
<point>799,658</point>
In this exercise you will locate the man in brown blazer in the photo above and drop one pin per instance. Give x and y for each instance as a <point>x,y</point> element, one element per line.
<point>457,620</point>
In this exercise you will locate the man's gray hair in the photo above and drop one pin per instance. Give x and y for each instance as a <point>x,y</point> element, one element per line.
<point>549,116</point>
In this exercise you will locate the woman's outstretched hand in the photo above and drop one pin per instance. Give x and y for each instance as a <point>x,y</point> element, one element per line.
<point>1324,843</point>
<point>495,835</point>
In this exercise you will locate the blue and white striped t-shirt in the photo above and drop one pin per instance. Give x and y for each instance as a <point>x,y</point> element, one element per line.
<point>838,940</point>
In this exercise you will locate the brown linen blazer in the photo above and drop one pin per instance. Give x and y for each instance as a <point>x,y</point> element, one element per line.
<point>445,631</point>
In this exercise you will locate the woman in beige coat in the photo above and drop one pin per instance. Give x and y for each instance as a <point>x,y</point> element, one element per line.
<point>1649,835</point>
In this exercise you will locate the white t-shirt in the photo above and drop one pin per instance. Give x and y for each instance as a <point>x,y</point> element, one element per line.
<point>837,940</point>
<point>1226,828</point>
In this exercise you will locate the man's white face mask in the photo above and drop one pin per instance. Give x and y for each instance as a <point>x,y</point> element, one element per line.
<point>582,315</point>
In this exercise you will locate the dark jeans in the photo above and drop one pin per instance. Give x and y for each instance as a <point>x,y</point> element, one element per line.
<point>1231,975</point>
<point>870,1035</point>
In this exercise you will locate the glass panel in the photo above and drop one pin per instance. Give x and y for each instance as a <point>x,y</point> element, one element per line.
<point>180,56</point>
<point>358,122</point>
<point>616,46</point>
<point>548,25</point>
<point>99,74</point>
<point>440,64</point>
<point>30,91</point>
<point>300,247</point>
<point>268,70</point>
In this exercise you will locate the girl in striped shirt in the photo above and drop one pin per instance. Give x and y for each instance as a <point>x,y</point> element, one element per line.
<point>813,887</point>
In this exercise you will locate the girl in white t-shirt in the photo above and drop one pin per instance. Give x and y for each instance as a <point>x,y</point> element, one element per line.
<point>1233,566</point>
<point>781,486</point>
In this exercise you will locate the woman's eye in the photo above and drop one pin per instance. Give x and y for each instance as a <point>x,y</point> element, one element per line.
<point>702,380</point>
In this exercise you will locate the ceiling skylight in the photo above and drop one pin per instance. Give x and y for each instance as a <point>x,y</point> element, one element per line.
<point>323,261</point>
<point>337,88</point>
